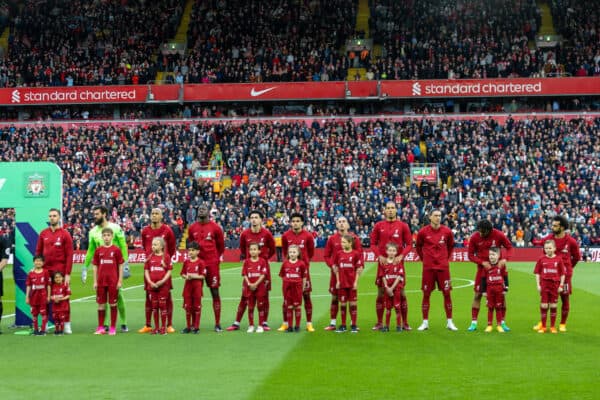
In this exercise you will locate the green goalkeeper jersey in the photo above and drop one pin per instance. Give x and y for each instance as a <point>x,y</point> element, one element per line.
<point>95,241</point>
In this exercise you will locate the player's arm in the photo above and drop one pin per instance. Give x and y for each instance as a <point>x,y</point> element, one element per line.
<point>27,291</point>
<point>284,245</point>
<point>147,277</point>
<point>243,246</point>
<point>95,265</point>
<point>328,253</point>
<point>120,241</point>
<point>375,240</point>
<point>505,276</point>
<point>407,239</point>
<point>575,252</point>
<point>39,247</point>
<point>220,241</point>
<point>538,283</point>
<point>171,242</point>
<point>508,248</point>
<point>3,255</point>
<point>69,256</point>
<point>270,243</point>
<point>120,281</point>
<point>92,245</point>
<point>419,244</point>
<point>310,247</point>
<point>450,244</point>
<point>164,279</point>
<point>472,252</point>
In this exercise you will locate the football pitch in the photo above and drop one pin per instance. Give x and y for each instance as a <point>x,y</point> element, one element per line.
<point>435,364</point>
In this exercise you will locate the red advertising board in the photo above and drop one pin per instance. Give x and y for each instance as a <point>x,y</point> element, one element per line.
<point>460,254</point>
<point>272,91</point>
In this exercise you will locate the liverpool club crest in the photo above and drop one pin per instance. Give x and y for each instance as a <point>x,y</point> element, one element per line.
<point>36,186</point>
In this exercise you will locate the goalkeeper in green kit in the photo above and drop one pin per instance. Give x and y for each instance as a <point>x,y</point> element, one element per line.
<point>95,241</point>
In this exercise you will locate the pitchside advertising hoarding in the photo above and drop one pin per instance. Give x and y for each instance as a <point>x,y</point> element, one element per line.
<point>275,91</point>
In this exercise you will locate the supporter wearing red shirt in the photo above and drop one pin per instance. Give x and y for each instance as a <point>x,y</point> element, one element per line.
<point>293,276</point>
<point>550,278</point>
<point>193,272</point>
<point>332,247</point>
<point>266,243</point>
<point>434,246</point>
<point>568,250</point>
<point>306,243</point>
<point>348,265</point>
<point>390,230</point>
<point>157,271</point>
<point>37,294</point>
<point>158,229</point>
<point>479,247</point>
<point>211,239</point>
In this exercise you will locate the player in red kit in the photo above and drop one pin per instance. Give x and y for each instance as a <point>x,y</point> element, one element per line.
<point>479,247</point>
<point>56,245</point>
<point>254,288</point>
<point>348,265</point>
<point>59,297</point>
<point>306,243</point>
<point>293,276</point>
<point>158,229</point>
<point>193,273</point>
<point>210,237</point>
<point>568,249</point>
<point>157,271</point>
<point>393,278</point>
<point>390,230</point>
<point>333,246</point>
<point>434,246</point>
<point>37,294</point>
<point>496,284</point>
<point>255,234</point>
<point>550,276</point>
<point>108,279</point>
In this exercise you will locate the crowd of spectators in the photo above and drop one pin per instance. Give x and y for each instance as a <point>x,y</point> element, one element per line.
<point>240,41</point>
<point>65,43</point>
<point>518,174</point>
<point>74,42</point>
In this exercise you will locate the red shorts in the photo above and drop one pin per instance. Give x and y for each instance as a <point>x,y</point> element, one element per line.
<point>292,294</point>
<point>192,295</point>
<point>549,292</point>
<point>59,316</point>
<point>347,294</point>
<point>107,293</point>
<point>213,276</point>
<point>433,277</point>
<point>495,296</point>
<point>390,302</point>
<point>480,274</point>
<point>260,291</point>
<point>39,309</point>
<point>332,283</point>
<point>159,294</point>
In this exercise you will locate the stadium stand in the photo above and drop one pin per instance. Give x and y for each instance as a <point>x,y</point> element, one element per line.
<point>518,173</point>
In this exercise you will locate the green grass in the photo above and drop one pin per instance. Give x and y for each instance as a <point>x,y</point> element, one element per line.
<point>433,364</point>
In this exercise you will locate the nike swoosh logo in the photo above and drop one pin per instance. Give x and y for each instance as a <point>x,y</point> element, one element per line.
<point>255,93</point>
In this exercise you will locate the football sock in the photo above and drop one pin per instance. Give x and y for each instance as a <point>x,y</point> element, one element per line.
<point>544,315</point>
<point>101,317</point>
<point>404,309</point>
<point>474,313</point>
<point>290,317</point>
<point>121,307</point>
<point>490,315</point>
<point>196,317</point>
<point>44,321</point>
<point>398,316</point>
<point>388,316</point>
<point>188,319</point>
<point>148,310</point>
<point>379,309</point>
<point>217,309</point>
<point>1,310</point>
<point>343,313</point>
<point>284,310</point>
<point>308,306</point>
<point>298,315</point>
<point>267,307</point>
<point>553,312</point>
<point>241,309</point>
<point>498,315</point>
<point>113,316</point>
<point>169,310</point>
<point>333,311</point>
<point>155,315</point>
<point>35,321</point>
<point>425,305</point>
<point>261,312</point>
<point>448,305</point>
<point>353,313</point>
<point>566,306</point>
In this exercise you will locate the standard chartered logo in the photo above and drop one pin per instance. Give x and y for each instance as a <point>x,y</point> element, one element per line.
<point>15,96</point>
<point>416,89</point>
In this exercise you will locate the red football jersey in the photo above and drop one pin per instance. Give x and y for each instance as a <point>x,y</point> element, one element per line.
<point>389,272</point>
<point>434,247</point>
<point>211,239</point>
<point>157,266</point>
<point>304,240</point>
<point>495,276</point>
<point>107,260</point>
<point>395,231</point>
<point>165,232</point>
<point>254,269</point>
<point>265,241</point>
<point>292,272</point>
<point>479,247</point>
<point>60,290</point>
<point>38,283</point>
<point>193,267</point>
<point>57,249</point>
<point>334,245</point>
<point>348,264</point>
<point>567,248</point>
<point>550,269</point>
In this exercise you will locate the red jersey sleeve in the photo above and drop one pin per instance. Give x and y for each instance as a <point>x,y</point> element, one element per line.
<point>508,247</point>
<point>473,247</point>
<point>170,241</point>
<point>68,240</point>
<point>375,240</point>
<point>328,254</point>
<point>310,246</point>
<point>450,243</point>
<point>575,252</point>
<point>284,244</point>
<point>219,240</point>
<point>270,243</point>
<point>407,239</point>
<point>419,244</point>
